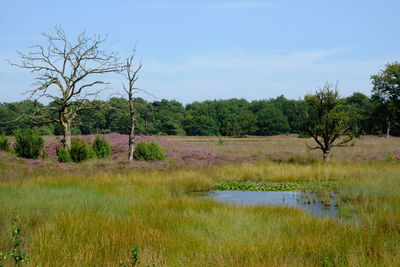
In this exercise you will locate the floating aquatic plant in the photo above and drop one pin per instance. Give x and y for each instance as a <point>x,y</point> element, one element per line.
<point>274,186</point>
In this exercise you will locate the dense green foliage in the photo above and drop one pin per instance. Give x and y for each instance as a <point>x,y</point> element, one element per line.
<point>325,122</point>
<point>232,117</point>
<point>4,143</point>
<point>386,89</point>
<point>149,151</point>
<point>101,148</point>
<point>63,155</point>
<point>80,151</point>
<point>28,144</point>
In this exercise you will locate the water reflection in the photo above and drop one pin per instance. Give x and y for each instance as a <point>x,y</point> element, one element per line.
<point>320,204</point>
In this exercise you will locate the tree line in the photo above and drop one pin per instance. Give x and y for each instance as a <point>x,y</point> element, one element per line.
<point>70,74</point>
<point>231,117</point>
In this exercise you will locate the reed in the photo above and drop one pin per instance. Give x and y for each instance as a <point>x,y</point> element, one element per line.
<point>82,220</point>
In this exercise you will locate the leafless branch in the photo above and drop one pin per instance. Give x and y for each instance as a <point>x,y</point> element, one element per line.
<point>66,66</point>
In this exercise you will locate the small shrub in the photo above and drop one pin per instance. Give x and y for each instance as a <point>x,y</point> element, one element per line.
<point>390,158</point>
<point>256,154</point>
<point>4,143</point>
<point>101,148</point>
<point>133,260</point>
<point>28,144</point>
<point>221,141</point>
<point>326,262</point>
<point>80,151</point>
<point>150,151</point>
<point>63,155</point>
<point>18,253</point>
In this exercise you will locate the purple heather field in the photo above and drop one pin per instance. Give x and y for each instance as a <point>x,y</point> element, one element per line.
<point>201,151</point>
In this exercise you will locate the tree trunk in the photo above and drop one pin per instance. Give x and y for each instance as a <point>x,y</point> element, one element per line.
<point>132,133</point>
<point>388,127</point>
<point>67,134</point>
<point>131,141</point>
<point>327,156</point>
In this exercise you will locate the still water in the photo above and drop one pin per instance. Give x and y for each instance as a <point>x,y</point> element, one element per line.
<point>316,203</point>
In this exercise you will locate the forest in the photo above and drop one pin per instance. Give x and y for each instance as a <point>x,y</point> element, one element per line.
<point>231,117</point>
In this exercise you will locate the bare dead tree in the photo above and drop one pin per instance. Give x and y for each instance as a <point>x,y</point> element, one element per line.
<point>67,74</point>
<point>130,73</point>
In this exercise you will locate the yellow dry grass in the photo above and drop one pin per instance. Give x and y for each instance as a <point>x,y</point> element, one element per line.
<point>94,218</point>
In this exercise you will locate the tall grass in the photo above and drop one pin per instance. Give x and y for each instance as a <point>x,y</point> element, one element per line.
<point>94,219</point>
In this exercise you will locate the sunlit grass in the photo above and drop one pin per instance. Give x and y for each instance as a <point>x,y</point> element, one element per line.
<point>94,219</point>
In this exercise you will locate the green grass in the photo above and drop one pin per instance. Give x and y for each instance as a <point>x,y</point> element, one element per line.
<point>94,219</point>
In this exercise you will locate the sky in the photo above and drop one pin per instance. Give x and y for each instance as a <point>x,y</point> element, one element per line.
<point>197,50</point>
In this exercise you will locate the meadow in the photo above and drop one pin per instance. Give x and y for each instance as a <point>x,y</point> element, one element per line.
<point>93,213</point>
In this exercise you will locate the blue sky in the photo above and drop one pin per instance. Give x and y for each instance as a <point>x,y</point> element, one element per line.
<point>196,50</point>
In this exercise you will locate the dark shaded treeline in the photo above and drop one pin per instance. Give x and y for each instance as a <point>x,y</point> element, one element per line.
<point>232,117</point>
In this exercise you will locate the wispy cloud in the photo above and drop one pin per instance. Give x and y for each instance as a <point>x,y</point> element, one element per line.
<point>294,61</point>
<point>258,75</point>
<point>223,5</point>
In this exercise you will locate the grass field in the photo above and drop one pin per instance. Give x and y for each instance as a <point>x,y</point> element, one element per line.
<point>92,214</point>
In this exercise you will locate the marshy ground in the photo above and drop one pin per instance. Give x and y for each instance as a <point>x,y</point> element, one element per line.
<point>92,214</point>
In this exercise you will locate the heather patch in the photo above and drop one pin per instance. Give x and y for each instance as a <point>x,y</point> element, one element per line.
<point>184,152</point>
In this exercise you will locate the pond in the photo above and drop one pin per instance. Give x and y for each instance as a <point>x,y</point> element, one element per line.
<point>320,204</point>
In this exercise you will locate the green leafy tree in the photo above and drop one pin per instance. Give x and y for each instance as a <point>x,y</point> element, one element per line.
<point>324,122</point>
<point>15,116</point>
<point>117,116</point>
<point>230,125</point>
<point>168,117</point>
<point>92,121</point>
<point>271,121</point>
<point>201,125</point>
<point>235,117</point>
<point>201,119</point>
<point>292,110</point>
<point>386,86</point>
<point>362,109</point>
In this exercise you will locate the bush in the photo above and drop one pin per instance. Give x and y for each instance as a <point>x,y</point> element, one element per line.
<point>80,151</point>
<point>4,143</point>
<point>28,144</point>
<point>222,141</point>
<point>390,158</point>
<point>150,151</point>
<point>101,148</point>
<point>63,155</point>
